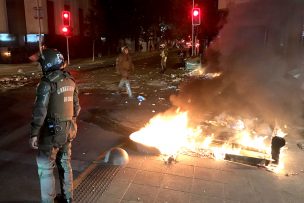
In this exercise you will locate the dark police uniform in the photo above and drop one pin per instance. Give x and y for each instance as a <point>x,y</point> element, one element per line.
<point>54,124</point>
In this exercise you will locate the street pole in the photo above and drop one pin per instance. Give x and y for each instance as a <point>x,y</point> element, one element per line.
<point>39,22</point>
<point>68,50</point>
<point>192,38</point>
<point>192,41</point>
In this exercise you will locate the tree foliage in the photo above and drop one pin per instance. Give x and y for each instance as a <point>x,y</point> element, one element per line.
<point>129,18</point>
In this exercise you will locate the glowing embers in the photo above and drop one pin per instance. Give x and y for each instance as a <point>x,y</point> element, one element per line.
<point>247,141</point>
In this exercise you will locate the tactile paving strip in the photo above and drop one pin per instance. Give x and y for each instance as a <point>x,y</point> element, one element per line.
<point>95,183</point>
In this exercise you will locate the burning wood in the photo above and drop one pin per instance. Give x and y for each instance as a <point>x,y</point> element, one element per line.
<point>222,138</point>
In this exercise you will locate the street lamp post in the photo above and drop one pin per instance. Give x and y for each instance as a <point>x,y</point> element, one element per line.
<point>192,38</point>
<point>39,23</point>
<point>192,41</point>
<point>68,50</point>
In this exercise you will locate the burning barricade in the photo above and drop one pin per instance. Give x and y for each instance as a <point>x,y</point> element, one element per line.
<point>246,141</point>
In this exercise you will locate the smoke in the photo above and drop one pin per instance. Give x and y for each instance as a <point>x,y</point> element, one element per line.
<point>257,50</point>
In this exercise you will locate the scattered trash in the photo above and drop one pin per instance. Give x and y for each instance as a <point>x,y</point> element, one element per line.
<point>295,73</point>
<point>291,174</point>
<point>301,145</point>
<point>141,98</point>
<point>177,80</point>
<point>170,160</point>
<point>171,87</point>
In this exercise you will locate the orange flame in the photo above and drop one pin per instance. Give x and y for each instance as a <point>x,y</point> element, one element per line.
<point>171,134</point>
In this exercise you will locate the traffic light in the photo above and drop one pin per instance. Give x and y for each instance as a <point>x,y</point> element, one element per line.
<point>66,18</point>
<point>196,16</point>
<point>66,29</point>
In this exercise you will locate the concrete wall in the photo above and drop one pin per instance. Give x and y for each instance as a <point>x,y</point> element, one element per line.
<point>3,17</point>
<point>74,5</point>
<point>31,16</point>
<point>58,8</point>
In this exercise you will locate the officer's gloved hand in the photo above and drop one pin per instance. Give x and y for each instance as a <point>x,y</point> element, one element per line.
<point>33,142</point>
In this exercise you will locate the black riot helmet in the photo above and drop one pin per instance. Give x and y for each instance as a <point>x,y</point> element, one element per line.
<point>51,60</point>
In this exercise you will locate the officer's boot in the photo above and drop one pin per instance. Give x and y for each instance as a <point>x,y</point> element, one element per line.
<point>129,91</point>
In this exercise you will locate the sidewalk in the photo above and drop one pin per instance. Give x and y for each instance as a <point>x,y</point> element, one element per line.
<point>147,178</point>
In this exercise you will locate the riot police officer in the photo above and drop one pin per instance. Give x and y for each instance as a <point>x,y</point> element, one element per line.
<point>53,125</point>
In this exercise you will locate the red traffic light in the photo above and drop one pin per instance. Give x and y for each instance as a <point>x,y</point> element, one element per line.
<point>196,16</point>
<point>66,18</point>
<point>66,15</point>
<point>66,30</point>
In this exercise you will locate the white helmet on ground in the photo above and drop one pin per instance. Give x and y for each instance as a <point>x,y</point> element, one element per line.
<point>116,156</point>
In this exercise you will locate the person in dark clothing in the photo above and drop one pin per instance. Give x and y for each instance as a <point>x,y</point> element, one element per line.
<point>53,125</point>
<point>124,67</point>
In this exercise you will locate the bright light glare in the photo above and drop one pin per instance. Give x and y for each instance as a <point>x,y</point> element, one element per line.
<point>195,13</point>
<point>4,37</point>
<point>65,15</point>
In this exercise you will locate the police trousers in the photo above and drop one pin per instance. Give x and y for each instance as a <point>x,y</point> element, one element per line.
<point>46,161</point>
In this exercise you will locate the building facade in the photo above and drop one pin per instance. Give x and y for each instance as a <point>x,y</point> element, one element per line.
<point>22,21</point>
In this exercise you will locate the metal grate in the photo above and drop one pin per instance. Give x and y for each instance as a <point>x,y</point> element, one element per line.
<point>95,183</point>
